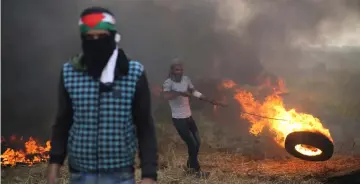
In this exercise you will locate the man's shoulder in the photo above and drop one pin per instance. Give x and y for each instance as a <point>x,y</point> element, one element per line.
<point>185,77</point>
<point>136,68</point>
<point>168,81</point>
<point>136,65</point>
<point>74,63</point>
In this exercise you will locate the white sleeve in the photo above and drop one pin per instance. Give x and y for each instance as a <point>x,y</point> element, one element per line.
<point>195,93</point>
<point>190,84</point>
<point>167,85</point>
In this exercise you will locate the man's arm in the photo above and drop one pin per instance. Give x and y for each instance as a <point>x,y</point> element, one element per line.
<point>193,91</point>
<point>168,93</point>
<point>145,129</point>
<point>60,129</point>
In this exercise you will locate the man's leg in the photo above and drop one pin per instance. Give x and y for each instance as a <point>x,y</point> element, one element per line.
<point>118,178</point>
<point>107,178</point>
<point>83,178</point>
<point>182,127</point>
<point>195,133</point>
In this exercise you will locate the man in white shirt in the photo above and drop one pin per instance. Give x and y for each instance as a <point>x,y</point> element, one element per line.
<point>177,90</point>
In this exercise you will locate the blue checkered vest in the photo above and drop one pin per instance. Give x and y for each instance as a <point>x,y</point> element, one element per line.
<point>102,136</point>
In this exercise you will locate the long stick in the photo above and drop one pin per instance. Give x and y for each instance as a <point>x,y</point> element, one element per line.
<point>213,102</point>
<point>243,112</point>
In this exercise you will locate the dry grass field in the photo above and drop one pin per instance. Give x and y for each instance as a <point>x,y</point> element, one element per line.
<point>226,166</point>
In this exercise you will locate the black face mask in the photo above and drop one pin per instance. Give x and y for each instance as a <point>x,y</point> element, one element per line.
<point>97,53</point>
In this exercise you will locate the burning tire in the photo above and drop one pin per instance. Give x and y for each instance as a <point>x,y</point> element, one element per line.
<point>310,146</point>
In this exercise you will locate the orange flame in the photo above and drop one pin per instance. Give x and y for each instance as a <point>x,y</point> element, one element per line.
<point>34,153</point>
<point>273,107</point>
<point>228,84</point>
<point>307,150</point>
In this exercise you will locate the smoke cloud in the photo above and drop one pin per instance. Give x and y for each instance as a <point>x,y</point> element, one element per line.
<point>237,39</point>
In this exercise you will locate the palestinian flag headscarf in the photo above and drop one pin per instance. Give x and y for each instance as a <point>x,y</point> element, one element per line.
<point>96,18</point>
<point>96,52</point>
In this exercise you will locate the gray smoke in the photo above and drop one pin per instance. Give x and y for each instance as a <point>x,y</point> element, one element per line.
<point>235,39</point>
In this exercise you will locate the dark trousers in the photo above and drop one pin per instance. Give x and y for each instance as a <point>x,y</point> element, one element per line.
<point>188,131</point>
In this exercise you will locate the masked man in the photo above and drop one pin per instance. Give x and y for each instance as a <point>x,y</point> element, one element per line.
<point>104,111</point>
<point>177,90</point>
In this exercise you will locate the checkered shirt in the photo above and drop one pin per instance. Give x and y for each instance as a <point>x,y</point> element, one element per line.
<point>102,136</point>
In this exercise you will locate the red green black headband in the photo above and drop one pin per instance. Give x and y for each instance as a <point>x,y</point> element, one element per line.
<point>97,21</point>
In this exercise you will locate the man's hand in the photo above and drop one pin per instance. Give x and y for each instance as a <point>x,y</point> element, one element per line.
<point>147,181</point>
<point>53,173</point>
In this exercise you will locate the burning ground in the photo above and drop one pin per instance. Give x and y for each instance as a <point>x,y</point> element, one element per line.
<point>255,156</point>
<point>226,167</point>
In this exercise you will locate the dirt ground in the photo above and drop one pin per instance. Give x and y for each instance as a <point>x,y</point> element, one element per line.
<point>244,165</point>
<point>224,167</point>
